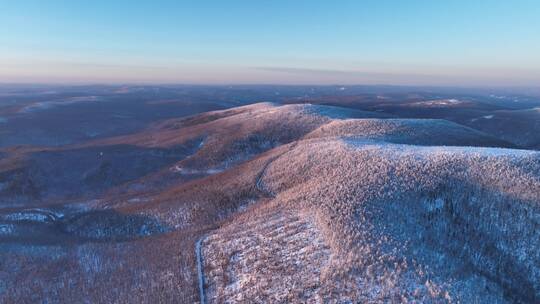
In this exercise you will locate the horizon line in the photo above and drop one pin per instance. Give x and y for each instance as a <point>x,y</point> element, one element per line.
<point>202,84</point>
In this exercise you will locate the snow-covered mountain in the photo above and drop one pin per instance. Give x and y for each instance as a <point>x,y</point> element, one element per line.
<point>271,203</point>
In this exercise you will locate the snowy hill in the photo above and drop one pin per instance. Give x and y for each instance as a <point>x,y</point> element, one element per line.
<point>274,203</point>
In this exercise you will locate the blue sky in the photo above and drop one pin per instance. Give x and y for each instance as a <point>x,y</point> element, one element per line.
<point>465,43</point>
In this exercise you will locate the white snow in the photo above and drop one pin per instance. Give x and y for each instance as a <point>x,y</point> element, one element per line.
<point>289,244</point>
<point>424,150</point>
<point>6,229</point>
<point>438,102</point>
<point>36,215</point>
<point>186,171</point>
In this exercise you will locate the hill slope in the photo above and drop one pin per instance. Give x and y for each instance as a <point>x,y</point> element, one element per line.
<point>269,203</point>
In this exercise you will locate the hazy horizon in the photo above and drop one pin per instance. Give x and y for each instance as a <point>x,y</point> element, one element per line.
<point>458,44</point>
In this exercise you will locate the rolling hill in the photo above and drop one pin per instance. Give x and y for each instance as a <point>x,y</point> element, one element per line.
<point>274,203</point>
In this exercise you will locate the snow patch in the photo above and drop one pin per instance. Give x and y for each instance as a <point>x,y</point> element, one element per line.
<point>186,171</point>
<point>438,102</point>
<point>287,244</point>
<point>34,215</point>
<point>7,229</point>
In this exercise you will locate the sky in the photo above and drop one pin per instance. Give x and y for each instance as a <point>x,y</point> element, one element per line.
<point>414,42</point>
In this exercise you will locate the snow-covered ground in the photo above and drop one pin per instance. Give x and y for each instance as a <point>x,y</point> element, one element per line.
<point>438,103</point>
<point>272,258</point>
<point>313,204</point>
<point>186,171</point>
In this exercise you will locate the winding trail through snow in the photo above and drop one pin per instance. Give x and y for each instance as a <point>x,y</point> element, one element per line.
<point>258,183</point>
<point>198,245</point>
<point>200,269</point>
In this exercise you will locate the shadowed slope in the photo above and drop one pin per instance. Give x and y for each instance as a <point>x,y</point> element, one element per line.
<point>521,127</point>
